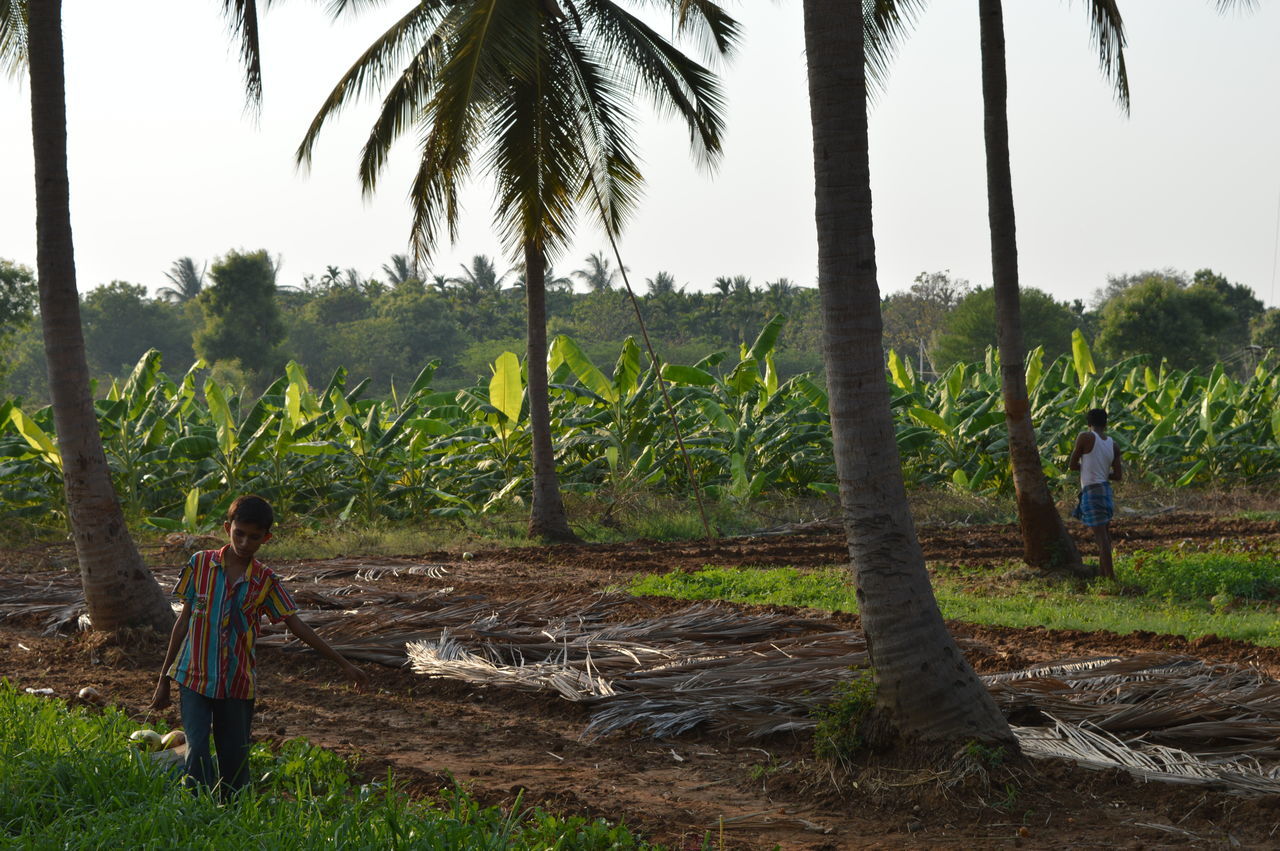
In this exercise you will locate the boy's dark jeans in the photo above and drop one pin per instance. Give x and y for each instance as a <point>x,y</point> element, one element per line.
<point>230,719</point>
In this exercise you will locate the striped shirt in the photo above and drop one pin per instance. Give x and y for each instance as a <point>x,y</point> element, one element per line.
<point>216,658</point>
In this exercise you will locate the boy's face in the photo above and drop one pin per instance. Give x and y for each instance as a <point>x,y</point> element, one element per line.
<point>245,538</point>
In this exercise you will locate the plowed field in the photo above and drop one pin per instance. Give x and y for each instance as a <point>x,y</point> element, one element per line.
<point>744,794</point>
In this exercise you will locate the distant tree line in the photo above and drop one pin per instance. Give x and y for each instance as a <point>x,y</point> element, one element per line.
<point>236,315</point>
<point>1187,320</point>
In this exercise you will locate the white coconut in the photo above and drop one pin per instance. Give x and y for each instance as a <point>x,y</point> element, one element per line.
<point>146,739</point>
<point>173,739</point>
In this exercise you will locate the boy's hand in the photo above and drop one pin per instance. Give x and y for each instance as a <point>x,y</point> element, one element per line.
<point>160,700</point>
<point>358,677</point>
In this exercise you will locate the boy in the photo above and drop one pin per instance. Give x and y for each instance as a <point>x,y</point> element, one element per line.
<point>210,655</point>
<point>1096,457</point>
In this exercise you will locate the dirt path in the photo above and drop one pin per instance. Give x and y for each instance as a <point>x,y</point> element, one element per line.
<point>768,793</point>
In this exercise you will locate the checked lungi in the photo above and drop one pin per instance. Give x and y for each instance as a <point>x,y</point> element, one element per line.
<point>1097,505</point>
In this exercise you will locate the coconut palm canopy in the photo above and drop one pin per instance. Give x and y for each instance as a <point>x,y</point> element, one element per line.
<point>536,94</point>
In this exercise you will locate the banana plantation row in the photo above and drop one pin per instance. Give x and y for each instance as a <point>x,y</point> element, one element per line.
<point>180,449</point>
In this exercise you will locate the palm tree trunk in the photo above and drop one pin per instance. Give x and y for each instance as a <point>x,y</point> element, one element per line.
<point>1044,537</point>
<point>547,517</point>
<point>925,686</point>
<point>118,588</point>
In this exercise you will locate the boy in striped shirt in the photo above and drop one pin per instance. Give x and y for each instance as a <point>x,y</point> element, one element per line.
<point>224,594</point>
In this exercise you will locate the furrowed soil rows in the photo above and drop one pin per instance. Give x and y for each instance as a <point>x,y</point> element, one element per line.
<point>744,794</point>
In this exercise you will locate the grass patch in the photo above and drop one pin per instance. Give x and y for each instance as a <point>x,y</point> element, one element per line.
<point>1161,592</point>
<point>1261,516</point>
<point>68,780</point>
<point>1181,574</point>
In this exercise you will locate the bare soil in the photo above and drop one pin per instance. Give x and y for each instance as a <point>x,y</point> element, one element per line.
<point>679,792</point>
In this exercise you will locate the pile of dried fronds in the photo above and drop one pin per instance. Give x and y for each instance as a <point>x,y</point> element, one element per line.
<point>57,599</point>
<point>1157,716</point>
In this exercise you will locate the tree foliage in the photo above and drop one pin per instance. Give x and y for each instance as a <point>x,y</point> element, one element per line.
<point>914,319</point>
<point>970,328</point>
<point>1164,317</point>
<point>241,318</point>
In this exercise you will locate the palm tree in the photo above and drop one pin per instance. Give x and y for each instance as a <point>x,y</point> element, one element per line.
<point>597,276</point>
<point>118,588</point>
<point>542,95</point>
<point>1044,537</point>
<point>925,686</point>
<point>479,279</point>
<point>401,270</point>
<point>555,283</point>
<point>1046,542</point>
<point>187,282</point>
<point>663,283</point>
<point>779,293</point>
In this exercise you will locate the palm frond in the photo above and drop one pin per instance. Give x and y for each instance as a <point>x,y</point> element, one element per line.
<point>1090,747</point>
<point>1107,33</point>
<point>13,38</point>
<point>611,182</point>
<point>675,82</point>
<point>1229,5</point>
<point>338,8</point>
<point>707,21</point>
<point>410,34</point>
<point>484,45</point>
<point>243,18</point>
<point>885,25</point>
<point>532,155</point>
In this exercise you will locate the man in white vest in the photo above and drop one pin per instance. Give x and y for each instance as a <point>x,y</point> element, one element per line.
<point>1096,457</point>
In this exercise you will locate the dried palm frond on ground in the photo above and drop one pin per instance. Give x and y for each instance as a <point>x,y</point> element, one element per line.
<point>1169,700</point>
<point>58,600</point>
<point>365,570</point>
<point>1093,748</point>
<point>1155,715</point>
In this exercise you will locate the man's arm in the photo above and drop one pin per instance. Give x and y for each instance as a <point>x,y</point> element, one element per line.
<point>160,699</point>
<point>307,634</point>
<point>1117,473</point>
<point>1084,445</point>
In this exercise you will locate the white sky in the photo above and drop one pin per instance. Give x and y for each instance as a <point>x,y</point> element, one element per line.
<point>165,161</point>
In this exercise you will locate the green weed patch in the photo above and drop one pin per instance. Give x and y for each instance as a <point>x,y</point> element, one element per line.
<point>1185,575</point>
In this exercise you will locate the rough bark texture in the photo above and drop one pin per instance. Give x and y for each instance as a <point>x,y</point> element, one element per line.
<point>118,588</point>
<point>925,685</point>
<point>547,517</point>
<point>1046,543</point>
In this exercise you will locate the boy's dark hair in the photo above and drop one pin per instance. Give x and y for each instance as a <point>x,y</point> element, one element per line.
<point>1096,417</point>
<point>252,508</point>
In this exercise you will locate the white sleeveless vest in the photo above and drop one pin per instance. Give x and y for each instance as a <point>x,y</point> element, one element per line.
<point>1095,465</point>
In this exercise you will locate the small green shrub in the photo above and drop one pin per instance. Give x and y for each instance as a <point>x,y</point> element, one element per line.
<point>839,731</point>
<point>990,756</point>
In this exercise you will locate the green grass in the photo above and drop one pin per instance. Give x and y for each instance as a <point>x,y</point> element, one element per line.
<point>1167,592</point>
<point>68,780</point>
<point>1181,574</point>
<point>1261,516</point>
